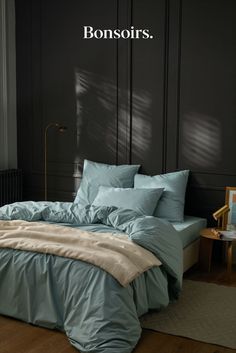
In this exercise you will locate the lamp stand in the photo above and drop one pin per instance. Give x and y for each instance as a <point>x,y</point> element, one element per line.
<point>60,129</point>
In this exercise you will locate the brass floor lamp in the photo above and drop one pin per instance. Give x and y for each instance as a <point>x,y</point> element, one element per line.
<point>61,129</point>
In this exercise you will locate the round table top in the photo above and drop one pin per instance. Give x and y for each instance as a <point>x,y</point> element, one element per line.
<point>213,233</point>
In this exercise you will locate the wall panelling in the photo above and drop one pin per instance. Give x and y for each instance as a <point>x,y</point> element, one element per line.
<point>167,103</point>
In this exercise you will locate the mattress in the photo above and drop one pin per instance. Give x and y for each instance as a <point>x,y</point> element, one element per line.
<point>189,229</point>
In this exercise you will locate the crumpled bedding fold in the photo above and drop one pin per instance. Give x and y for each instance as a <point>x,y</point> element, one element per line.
<point>97,314</point>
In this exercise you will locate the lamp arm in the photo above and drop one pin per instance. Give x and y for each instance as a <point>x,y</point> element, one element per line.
<point>219,213</point>
<point>45,162</point>
<point>50,125</point>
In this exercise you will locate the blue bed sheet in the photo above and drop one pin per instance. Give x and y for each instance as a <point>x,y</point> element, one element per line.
<point>88,304</point>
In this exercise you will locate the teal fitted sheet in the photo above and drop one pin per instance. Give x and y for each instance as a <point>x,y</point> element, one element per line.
<point>97,314</point>
<point>189,229</point>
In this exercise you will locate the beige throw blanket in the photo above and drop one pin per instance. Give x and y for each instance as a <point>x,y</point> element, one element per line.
<point>118,255</point>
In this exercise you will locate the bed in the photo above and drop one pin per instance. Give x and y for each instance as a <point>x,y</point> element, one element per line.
<point>131,259</point>
<point>189,233</point>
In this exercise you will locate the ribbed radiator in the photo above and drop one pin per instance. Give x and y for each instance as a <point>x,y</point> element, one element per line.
<point>10,186</point>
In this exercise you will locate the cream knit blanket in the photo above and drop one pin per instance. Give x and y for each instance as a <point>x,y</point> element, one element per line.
<point>117,255</point>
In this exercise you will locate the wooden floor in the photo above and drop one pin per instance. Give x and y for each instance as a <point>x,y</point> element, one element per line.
<point>18,337</point>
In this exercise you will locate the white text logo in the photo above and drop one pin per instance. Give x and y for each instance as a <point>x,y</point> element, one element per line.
<point>132,33</point>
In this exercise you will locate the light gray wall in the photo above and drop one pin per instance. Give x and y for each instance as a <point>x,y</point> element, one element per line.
<point>8,139</point>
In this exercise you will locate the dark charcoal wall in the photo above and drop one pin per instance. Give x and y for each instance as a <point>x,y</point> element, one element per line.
<point>166,103</point>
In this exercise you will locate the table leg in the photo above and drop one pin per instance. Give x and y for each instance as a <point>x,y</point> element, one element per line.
<point>206,245</point>
<point>229,259</point>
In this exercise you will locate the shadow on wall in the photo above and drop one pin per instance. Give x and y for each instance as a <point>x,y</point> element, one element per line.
<point>141,124</point>
<point>201,141</point>
<point>103,120</point>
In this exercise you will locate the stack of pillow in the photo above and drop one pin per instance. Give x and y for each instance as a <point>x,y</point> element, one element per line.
<point>161,195</point>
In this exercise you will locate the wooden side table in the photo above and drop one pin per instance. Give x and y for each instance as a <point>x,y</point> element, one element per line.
<point>208,236</point>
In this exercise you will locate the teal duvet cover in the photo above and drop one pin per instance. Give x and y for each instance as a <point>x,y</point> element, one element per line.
<point>97,314</point>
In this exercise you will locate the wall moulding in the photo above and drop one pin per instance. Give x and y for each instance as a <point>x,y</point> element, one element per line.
<point>8,139</point>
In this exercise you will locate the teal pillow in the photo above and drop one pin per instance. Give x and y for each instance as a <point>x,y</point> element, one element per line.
<point>171,204</point>
<point>143,201</point>
<point>96,174</point>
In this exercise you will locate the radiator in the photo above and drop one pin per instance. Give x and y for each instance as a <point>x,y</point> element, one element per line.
<point>10,186</point>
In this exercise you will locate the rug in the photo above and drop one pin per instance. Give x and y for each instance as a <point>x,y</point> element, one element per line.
<point>205,312</point>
